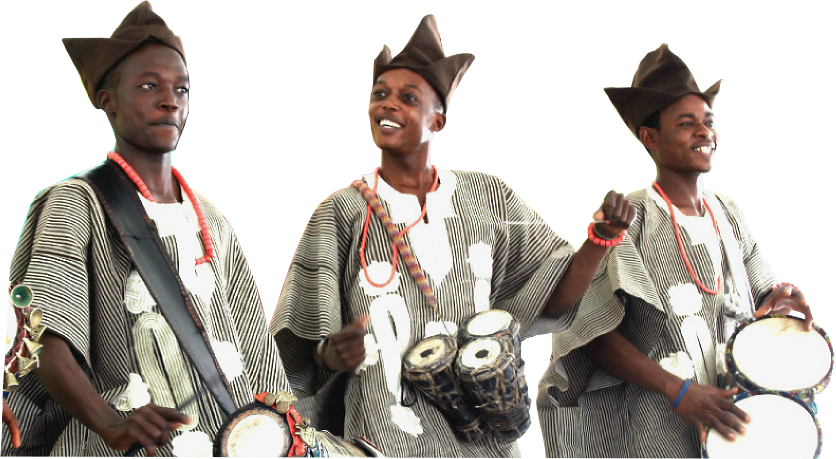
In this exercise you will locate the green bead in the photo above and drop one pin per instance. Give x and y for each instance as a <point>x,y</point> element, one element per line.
<point>21,296</point>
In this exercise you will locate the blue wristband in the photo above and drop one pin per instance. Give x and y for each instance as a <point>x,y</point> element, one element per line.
<point>681,394</point>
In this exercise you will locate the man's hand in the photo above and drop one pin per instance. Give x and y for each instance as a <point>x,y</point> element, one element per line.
<point>709,406</point>
<point>617,213</point>
<point>345,350</point>
<point>10,420</point>
<point>149,426</point>
<point>784,299</point>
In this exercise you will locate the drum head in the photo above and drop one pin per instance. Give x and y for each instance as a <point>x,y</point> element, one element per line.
<point>782,426</point>
<point>488,322</point>
<point>481,352</point>
<point>776,352</point>
<point>255,430</point>
<point>430,353</point>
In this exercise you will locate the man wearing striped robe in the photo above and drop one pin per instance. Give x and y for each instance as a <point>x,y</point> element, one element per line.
<point>112,370</point>
<point>664,302</point>
<point>477,243</point>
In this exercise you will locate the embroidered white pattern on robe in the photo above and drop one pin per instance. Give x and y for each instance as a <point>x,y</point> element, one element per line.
<point>134,396</point>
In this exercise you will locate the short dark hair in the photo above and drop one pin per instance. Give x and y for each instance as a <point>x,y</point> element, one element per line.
<point>111,79</point>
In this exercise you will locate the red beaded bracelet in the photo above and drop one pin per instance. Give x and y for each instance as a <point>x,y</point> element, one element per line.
<point>602,241</point>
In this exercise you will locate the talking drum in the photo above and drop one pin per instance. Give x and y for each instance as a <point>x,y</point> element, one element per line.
<point>492,323</point>
<point>258,430</point>
<point>255,430</point>
<point>429,366</point>
<point>23,333</point>
<point>488,372</point>
<point>782,426</point>
<point>776,352</point>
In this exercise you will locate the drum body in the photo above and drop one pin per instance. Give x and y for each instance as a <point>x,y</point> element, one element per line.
<point>488,371</point>
<point>429,366</point>
<point>782,425</point>
<point>255,430</point>
<point>776,352</point>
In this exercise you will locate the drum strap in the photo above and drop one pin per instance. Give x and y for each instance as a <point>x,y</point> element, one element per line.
<point>411,262</point>
<point>139,236</point>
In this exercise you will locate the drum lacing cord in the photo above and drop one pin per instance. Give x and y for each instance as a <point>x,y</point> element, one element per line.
<point>406,386</point>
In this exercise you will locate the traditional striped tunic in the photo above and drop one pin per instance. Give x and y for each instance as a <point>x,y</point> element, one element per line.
<point>83,281</point>
<point>644,290</point>
<point>481,248</point>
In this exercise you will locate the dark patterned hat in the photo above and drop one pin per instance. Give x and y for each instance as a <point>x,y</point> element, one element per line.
<point>661,79</point>
<point>93,57</point>
<point>425,56</point>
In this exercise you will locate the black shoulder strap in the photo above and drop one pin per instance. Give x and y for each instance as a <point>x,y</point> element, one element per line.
<point>119,200</point>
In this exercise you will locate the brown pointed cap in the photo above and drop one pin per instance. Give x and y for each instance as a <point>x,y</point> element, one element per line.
<point>93,57</point>
<point>661,79</point>
<point>425,56</point>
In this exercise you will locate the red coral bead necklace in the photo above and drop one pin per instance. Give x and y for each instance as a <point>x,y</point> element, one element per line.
<point>401,233</point>
<point>208,245</point>
<point>682,246</point>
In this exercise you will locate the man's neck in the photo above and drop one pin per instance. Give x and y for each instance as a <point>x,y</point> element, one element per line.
<point>155,171</point>
<point>411,174</point>
<point>684,192</point>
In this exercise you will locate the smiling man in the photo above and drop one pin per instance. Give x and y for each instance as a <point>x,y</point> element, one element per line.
<point>351,304</point>
<point>658,314</point>
<point>114,364</point>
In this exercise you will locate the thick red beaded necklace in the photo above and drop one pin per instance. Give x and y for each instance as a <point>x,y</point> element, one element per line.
<point>394,246</point>
<point>208,245</point>
<point>682,246</point>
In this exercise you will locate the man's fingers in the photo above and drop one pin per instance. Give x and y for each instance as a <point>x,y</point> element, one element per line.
<point>10,420</point>
<point>362,321</point>
<point>14,430</point>
<point>170,415</point>
<point>616,210</point>
<point>715,423</point>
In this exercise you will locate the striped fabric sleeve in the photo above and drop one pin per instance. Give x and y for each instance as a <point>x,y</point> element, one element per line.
<point>622,277</point>
<point>57,234</point>
<point>535,260</point>
<point>310,305</point>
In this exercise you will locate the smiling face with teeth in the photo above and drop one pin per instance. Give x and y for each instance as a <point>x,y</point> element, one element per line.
<point>686,139</point>
<point>404,112</point>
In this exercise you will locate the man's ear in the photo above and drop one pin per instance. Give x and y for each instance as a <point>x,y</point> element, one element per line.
<point>439,121</point>
<point>649,137</point>
<point>106,100</point>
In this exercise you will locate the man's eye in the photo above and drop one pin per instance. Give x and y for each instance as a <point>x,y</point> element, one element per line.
<point>148,86</point>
